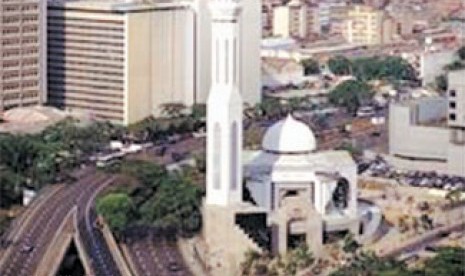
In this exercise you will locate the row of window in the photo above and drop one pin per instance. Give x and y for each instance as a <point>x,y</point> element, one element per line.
<point>95,27</point>
<point>22,95</point>
<point>17,30</point>
<point>52,49</point>
<point>57,92</point>
<point>17,52</point>
<point>61,67</point>
<point>16,41</point>
<point>16,74</point>
<point>15,86</point>
<point>17,63</point>
<point>85,20</point>
<point>61,60</point>
<point>13,8</point>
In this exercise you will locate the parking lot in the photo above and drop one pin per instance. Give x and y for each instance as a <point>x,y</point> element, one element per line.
<point>380,168</point>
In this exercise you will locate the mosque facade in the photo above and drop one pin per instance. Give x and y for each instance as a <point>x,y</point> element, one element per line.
<point>275,198</point>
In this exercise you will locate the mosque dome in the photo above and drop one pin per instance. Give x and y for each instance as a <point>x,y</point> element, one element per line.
<point>289,136</point>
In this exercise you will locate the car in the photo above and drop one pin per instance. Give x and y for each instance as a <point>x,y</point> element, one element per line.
<point>174,267</point>
<point>27,248</point>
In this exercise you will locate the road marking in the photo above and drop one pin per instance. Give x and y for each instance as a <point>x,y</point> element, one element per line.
<point>23,225</point>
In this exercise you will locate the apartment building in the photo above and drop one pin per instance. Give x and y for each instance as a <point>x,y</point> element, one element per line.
<point>122,60</point>
<point>368,26</point>
<point>297,19</point>
<point>22,51</point>
<point>330,11</point>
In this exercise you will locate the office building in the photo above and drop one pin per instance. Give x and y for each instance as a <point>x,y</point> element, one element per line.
<point>123,60</point>
<point>22,51</point>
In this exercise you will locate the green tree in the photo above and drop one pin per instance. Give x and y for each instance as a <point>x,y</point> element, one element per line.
<point>175,206</point>
<point>271,108</point>
<point>441,83</point>
<point>351,94</point>
<point>368,264</point>
<point>10,188</point>
<point>456,65</point>
<point>340,65</point>
<point>116,209</point>
<point>199,111</point>
<point>387,68</point>
<point>311,67</point>
<point>173,110</point>
<point>350,245</point>
<point>250,258</point>
<point>461,53</point>
<point>302,256</point>
<point>448,261</point>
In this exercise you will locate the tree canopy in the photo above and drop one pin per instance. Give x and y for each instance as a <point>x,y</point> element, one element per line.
<point>35,160</point>
<point>340,65</point>
<point>116,208</point>
<point>373,68</point>
<point>351,94</point>
<point>461,53</point>
<point>162,200</point>
<point>448,261</point>
<point>311,66</point>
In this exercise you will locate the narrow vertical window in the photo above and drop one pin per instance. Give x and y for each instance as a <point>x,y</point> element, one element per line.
<point>234,61</point>
<point>217,157</point>
<point>217,61</point>
<point>234,156</point>
<point>226,60</point>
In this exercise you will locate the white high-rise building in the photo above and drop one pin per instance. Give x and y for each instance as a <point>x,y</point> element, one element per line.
<point>123,60</point>
<point>224,113</point>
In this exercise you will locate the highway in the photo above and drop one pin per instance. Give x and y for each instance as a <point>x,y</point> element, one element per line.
<point>45,217</point>
<point>154,254</point>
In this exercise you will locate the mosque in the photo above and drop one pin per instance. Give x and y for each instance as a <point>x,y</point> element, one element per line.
<point>275,198</point>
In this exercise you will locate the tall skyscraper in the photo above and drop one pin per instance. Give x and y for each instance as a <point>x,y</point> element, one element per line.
<point>22,53</point>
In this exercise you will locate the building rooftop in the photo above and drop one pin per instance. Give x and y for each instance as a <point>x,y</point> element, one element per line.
<point>118,6</point>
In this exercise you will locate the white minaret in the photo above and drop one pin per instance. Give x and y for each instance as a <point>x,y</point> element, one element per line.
<point>224,111</point>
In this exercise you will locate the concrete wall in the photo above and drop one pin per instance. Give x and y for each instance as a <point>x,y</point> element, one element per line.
<point>409,140</point>
<point>138,82</point>
<point>456,159</point>
<point>430,109</point>
<point>160,61</point>
<point>432,64</point>
<point>173,50</point>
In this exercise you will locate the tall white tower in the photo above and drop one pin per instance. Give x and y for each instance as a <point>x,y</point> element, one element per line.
<point>224,111</point>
